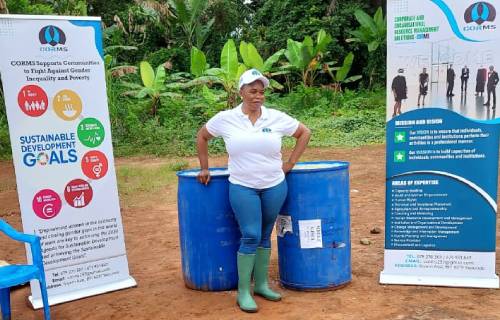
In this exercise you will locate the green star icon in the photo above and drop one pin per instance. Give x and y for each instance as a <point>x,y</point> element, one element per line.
<point>399,156</point>
<point>399,136</point>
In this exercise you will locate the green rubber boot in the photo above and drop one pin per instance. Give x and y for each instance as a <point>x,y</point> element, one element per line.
<point>261,273</point>
<point>245,267</point>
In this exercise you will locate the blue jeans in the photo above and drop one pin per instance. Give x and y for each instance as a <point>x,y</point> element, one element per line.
<point>256,211</point>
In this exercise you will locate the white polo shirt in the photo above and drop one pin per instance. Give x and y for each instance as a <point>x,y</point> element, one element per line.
<point>254,150</point>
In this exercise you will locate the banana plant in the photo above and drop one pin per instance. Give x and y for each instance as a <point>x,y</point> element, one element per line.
<point>227,74</point>
<point>253,60</point>
<point>372,31</point>
<point>153,86</point>
<point>198,62</point>
<point>188,15</point>
<point>340,76</point>
<point>306,56</point>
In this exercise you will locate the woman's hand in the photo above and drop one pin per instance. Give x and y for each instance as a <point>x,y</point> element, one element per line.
<point>303,134</point>
<point>204,176</point>
<point>287,166</point>
<point>202,146</point>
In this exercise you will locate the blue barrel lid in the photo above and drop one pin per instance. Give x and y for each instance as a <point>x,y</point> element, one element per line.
<point>301,167</point>
<point>214,173</point>
<point>315,166</point>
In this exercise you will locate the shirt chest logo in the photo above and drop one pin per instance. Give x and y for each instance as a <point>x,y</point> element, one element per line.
<point>266,130</point>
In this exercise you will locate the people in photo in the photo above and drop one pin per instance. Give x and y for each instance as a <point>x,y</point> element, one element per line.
<point>399,89</point>
<point>450,80</point>
<point>491,86</point>
<point>464,78</point>
<point>480,80</point>
<point>424,86</point>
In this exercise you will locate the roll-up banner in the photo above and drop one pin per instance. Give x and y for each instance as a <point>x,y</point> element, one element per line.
<point>54,87</point>
<point>442,143</point>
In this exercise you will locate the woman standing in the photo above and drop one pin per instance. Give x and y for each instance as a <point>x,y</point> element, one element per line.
<point>424,85</point>
<point>399,89</point>
<point>257,187</point>
<point>481,77</point>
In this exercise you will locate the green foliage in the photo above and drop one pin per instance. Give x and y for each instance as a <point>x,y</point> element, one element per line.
<point>253,60</point>
<point>25,7</point>
<point>229,18</point>
<point>153,85</point>
<point>69,7</point>
<point>226,75</point>
<point>136,179</point>
<point>269,63</point>
<point>140,27</point>
<point>159,111</point>
<point>372,33</point>
<point>340,76</point>
<point>188,14</point>
<point>108,9</point>
<point>275,21</point>
<point>177,57</point>
<point>229,61</point>
<point>349,118</point>
<point>336,119</point>
<point>61,7</point>
<point>149,79</point>
<point>306,56</point>
<point>251,57</point>
<point>171,132</point>
<point>198,62</point>
<point>297,19</point>
<point>179,165</point>
<point>159,56</point>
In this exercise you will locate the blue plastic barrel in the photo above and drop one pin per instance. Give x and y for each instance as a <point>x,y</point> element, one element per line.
<point>209,233</point>
<point>314,242</point>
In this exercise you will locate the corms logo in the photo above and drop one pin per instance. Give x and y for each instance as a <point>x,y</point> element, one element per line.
<point>480,13</point>
<point>54,37</point>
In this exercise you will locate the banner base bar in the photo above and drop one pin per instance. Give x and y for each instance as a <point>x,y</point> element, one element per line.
<point>80,294</point>
<point>490,283</point>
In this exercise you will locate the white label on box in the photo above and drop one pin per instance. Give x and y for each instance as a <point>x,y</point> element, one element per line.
<point>310,234</point>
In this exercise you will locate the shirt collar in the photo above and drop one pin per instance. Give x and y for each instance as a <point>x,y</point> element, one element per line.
<point>264,112</point>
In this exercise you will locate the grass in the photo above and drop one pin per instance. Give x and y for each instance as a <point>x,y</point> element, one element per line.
<point>135,179</point>
<point>347,119</point>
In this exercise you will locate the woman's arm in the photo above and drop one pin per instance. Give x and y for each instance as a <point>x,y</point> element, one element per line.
<point>202,146</point>
<point>303,134</point>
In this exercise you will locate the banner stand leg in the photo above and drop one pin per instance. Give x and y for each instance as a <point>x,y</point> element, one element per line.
<point>489,283</point>
<point>80,294</point>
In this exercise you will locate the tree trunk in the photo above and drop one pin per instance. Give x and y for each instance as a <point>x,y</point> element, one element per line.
<point>3,7</point>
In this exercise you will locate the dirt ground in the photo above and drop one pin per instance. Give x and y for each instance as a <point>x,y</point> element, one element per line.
<point>152,240</point>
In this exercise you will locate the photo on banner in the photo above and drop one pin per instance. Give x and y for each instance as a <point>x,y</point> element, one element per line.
<point>442,143</point>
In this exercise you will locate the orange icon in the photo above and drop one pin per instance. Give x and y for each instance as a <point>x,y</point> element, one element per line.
<point>67,105</point>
